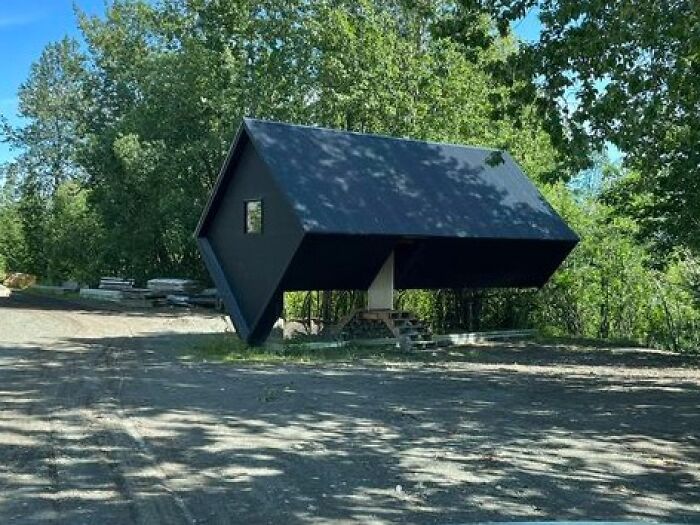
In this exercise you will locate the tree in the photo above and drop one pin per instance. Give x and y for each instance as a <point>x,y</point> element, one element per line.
<point>173,80</point>
<point>52,102</point>
<point>124,136</point>
<point>31,215</point>
<point>13,249</point>
<point>73,236</point>
<point>626,72</point>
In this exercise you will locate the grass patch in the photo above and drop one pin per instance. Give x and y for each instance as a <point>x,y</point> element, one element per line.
<point>228,348</point>
<point>586,342</point>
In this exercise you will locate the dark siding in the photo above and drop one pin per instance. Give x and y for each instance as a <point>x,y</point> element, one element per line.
<point>350,262</point>
<point>253,264</point>
<point>337,262</point>
<point>477,263</point>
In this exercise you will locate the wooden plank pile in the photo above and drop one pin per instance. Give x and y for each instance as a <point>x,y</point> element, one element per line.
<point>169,286</point>
<point>114,296</point>
<point>208,298</point>
<point>161,291</point>
<point>173,291</point>
<point>118,290</point>
<point>469,338</point>
<point>115,283</point>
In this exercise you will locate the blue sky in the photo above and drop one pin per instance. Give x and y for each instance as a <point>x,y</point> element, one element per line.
<point>528,28</point>
<point>26,26</point>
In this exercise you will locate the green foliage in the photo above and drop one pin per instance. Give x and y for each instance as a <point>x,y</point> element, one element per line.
<point>607,288</point>
<point>53,102</point>
<point>12,247</point>
<point>675,316</point>
<point>31,209</point>
<point>330,306</point>
<point>168,83</point>
<point>123,136</point>
<point>625,72</point>
<point>73,236</point>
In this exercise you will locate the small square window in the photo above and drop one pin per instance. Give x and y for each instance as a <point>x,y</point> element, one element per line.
<point>253,216</point>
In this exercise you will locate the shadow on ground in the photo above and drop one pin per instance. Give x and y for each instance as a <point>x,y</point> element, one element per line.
<point>30,301</point>
<point>118,428</point>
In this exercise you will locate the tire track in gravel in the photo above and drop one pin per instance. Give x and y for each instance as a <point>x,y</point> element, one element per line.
<point>88,448</point>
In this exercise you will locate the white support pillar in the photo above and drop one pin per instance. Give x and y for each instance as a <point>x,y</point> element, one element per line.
<point>380,295</point>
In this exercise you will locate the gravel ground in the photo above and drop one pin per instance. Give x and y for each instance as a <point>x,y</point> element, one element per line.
<point>102,422</point>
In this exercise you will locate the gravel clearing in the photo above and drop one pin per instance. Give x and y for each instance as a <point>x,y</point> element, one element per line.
<point>101,421</point>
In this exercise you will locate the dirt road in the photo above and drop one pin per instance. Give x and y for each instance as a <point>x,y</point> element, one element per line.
<point>101,422</point>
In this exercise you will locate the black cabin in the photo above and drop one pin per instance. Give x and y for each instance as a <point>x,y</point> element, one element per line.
<point>304,208</point>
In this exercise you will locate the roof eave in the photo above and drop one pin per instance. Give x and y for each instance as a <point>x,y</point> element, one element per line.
<point>236,146</point>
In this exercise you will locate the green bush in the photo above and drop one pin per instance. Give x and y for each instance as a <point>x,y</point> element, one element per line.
<point>74,236</point>
<point>607,288</point>
<point>13,249</point>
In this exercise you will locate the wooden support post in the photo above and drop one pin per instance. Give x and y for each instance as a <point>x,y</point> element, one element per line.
<point>380,295</point>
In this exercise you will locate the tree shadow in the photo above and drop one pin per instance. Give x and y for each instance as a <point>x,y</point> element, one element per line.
<point>505,433</point>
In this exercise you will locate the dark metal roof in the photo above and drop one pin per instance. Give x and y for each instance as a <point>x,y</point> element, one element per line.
<point>352,183</point>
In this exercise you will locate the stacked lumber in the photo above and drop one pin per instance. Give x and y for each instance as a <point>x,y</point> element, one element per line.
<point>162,291</point>
<point>115,283</point>
<point>171,286</point>
<point>469,338</point>
<point>208,298</point>
<point>184,292</point>
<point>118,290</point>
<point>178,300</point>
<point>137,293</point>
<point>138,297</point>
<point>102,295</point>
<point>71,286</point>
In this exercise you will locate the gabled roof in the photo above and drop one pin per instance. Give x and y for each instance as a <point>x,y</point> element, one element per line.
<point>338,204</point>
<point>351,183</point>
